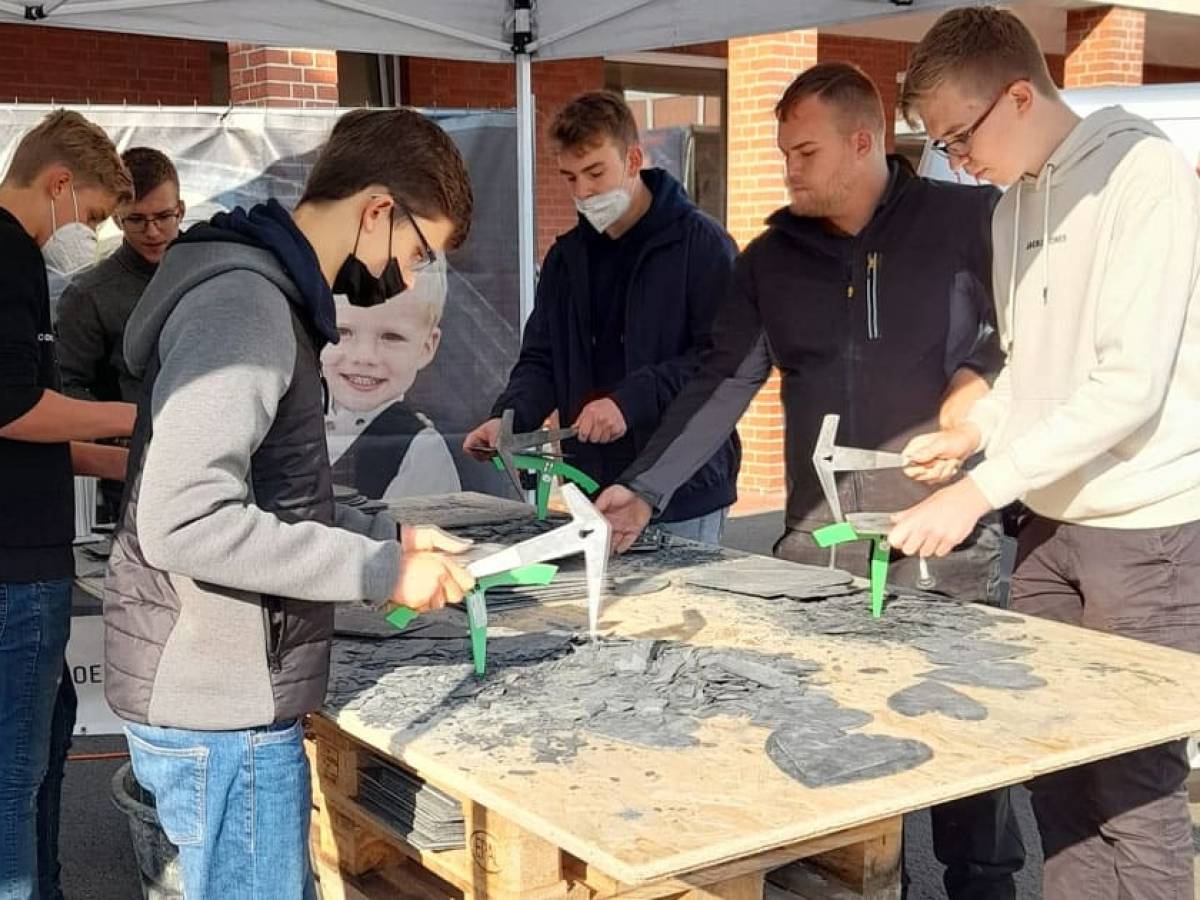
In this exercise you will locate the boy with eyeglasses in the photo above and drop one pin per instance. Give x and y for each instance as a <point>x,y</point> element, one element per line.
<point>1092,422</point>
<point>231,553</point>
<point>96,305</point>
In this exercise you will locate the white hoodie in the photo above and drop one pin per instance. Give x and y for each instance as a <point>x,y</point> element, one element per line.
<point>1096,418</point>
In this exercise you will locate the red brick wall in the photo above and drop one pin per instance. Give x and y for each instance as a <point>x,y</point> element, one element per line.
<point>1104,45</point>
<point>445,83</point>
<point>1155,74</point>
<point>282,76</point>
<point>39,64</point>
<point>715,48</point>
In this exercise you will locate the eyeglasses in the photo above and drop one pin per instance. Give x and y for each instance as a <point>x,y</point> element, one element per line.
<point>136,223</point>
<point>959,145</point>
<point>428,254</point>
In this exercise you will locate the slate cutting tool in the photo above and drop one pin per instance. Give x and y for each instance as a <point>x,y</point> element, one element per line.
<point>516,453</point>
<point>586,533</point>
<point>829,459</point>
<point>476,602</point>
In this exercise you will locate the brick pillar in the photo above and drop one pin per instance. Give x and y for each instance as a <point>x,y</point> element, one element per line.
<point>1104,45</point>
<point>759,70</point>
<point>282,76</point>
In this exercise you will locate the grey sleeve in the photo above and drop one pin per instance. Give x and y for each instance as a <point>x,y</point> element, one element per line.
<point>382,527</point>
<point>227,354</point>
<point>80,342</point>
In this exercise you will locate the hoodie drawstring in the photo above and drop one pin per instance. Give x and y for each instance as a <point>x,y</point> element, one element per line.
<point>1010,313</point>
<point>1046,236</point>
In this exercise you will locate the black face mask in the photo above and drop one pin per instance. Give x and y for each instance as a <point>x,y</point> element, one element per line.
<point>360,287</point>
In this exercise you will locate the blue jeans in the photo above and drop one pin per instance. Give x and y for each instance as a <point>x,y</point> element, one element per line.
<point>237,804</point>
<point>706,529</point>
<point>49,802</point>
<point>35,621</point>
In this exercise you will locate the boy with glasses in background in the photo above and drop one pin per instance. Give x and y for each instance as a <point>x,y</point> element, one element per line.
<point>97,304</point>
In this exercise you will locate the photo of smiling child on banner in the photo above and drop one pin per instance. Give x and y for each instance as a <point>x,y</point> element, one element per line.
<point>378,443</point>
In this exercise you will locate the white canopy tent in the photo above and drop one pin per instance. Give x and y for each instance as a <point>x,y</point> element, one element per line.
<point>482,30</point>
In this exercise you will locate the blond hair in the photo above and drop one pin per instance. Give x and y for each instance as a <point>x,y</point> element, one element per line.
<point>431,287</point>
<point>982,48</point>
<point>66,138</point>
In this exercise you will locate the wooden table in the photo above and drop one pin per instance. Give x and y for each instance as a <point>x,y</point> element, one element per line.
<point>709,820</point>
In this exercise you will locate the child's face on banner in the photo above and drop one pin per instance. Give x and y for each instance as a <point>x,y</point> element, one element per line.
<point>382,348</point>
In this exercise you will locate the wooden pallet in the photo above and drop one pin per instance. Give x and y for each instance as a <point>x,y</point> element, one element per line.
<point>361,857</point>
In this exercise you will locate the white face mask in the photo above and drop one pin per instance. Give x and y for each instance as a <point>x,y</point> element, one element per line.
<point>72,247</point>
<point>603,210</point>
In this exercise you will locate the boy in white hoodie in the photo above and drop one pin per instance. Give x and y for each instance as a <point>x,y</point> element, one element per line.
<point>1092,423</point>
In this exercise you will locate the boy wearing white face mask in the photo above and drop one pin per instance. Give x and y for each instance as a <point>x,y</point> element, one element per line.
<point>624,305</point>
<point>65,178</point>
<point>72,247</point>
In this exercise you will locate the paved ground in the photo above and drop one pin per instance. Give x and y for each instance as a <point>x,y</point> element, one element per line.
<point>98,860</point>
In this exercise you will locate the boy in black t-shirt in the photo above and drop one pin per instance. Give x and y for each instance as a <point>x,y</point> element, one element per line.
<point>65,178</point>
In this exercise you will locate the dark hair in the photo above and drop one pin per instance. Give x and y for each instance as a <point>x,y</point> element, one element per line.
<point>843,86</point>
<point>66,138</point>
<point>983,49</point>
<point>592,117</point>
<point>404,152</point>
<point>149,169</point>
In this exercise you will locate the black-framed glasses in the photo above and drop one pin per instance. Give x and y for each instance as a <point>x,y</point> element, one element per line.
<point>959,145</point>
<point>428,254</point>
<point>136,223</point>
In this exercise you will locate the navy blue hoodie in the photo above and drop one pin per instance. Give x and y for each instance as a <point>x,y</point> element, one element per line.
<point>680,275</point>
<point>271,227</point>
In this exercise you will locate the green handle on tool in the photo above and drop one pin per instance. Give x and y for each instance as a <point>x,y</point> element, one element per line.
<point>537,573</point>
<point>881,556</point>
<point>546,468</point>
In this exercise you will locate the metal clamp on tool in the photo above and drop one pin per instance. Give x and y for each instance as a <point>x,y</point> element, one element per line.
<point>586,533</point>
<point>516,453</point>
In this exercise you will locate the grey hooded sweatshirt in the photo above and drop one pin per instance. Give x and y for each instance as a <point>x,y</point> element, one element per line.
<point>231,552</point>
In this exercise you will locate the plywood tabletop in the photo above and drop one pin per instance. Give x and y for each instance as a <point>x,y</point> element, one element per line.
<point>640,813</point>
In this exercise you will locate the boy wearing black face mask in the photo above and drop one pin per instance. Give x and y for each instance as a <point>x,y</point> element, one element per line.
<point>230,552</point>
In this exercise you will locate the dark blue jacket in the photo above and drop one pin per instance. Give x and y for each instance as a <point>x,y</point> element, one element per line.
<point>681,275</point>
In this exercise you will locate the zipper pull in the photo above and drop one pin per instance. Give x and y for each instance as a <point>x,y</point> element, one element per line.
<point>850,292</point>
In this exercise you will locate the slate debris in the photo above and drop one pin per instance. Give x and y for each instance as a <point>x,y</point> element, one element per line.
<point>761,577</point>
<point>555,690</point>
<point>933,697</point>
<point>825,761</point>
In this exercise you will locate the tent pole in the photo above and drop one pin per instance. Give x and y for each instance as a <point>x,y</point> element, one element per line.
<point>526,238</point>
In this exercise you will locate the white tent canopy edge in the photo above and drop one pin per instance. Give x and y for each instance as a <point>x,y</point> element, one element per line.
<point>482,30</point>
